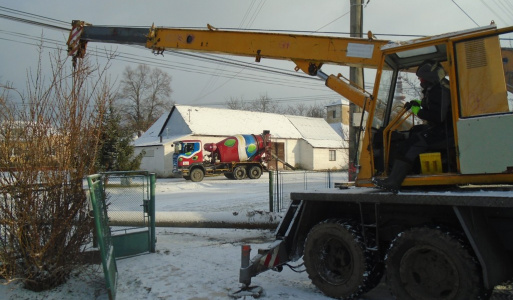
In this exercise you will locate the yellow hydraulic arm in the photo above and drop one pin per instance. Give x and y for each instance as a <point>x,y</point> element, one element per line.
<point>308,52</point>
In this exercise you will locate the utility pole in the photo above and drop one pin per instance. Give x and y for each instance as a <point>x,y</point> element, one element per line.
<point>356,78</point>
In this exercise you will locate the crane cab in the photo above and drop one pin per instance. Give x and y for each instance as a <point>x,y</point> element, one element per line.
<point>480,80</point>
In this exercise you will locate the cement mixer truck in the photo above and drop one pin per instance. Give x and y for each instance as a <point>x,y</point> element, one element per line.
<point>237,157</point>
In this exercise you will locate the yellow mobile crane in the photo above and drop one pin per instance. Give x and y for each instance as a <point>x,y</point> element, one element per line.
<point>445,235</point>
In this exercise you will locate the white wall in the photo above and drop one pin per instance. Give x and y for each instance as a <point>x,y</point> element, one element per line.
<point>319,158</point>
<point>322,159</point>
<point>154,160</point>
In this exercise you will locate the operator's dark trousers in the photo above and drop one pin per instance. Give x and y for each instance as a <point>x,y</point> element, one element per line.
<point>425,138</point>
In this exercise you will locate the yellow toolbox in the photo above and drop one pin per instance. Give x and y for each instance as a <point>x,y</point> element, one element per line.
<point>431,163</point>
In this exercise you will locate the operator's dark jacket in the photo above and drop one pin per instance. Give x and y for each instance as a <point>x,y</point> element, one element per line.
<point>437,133</point>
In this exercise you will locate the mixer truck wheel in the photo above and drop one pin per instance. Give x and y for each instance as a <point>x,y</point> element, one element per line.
<point>429,263</point>
<point>239,172</point>
<point>254,172</point>
<point>197,175</point>
<point>336,259</point>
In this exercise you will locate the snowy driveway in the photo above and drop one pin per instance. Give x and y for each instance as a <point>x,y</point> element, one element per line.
<point>193,263</point>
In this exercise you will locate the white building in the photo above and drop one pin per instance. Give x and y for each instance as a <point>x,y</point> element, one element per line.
<point>305,143</point>
<point>337,115</point>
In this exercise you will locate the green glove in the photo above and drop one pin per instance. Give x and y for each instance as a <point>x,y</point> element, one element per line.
<point>415,109</point>
<point>415,106</point>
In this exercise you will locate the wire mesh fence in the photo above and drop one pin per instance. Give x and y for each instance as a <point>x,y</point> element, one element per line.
<point>283,183</point>
<point>127,196</point>
<point>6,209</point>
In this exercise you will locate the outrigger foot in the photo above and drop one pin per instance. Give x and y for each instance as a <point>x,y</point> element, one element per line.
<point>253,291</point>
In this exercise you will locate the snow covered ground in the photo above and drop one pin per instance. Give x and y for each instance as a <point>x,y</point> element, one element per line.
<point>191,263</point>
<point>194,263</point>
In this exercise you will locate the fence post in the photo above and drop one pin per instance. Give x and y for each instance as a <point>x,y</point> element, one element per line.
<point>152,213</point>
<point>271,192</point>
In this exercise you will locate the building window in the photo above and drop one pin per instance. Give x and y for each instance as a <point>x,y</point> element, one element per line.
<point>333,155</point>
<point>334,114</point>
<point>149,153</point>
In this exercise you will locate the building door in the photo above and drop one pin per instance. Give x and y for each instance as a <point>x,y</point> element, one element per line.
<point>277,151</point>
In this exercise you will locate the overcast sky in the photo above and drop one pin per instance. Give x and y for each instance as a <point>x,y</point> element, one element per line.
<point>197,82</point>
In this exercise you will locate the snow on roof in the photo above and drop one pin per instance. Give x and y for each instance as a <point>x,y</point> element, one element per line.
<point>316,131</point>
<point>226,122</point>
<point>151,136</point>
<point>342,130</point>
<point>184,120</point>
<point>341,101</point>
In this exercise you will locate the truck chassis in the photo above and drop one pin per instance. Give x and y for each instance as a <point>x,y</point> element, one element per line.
<point>232,170</point>
<point>433,245</point>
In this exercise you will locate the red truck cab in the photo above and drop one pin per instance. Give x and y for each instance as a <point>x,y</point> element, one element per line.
<point>187,153</point>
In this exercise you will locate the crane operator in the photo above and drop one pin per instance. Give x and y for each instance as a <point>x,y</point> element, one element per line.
<point>437,133</point>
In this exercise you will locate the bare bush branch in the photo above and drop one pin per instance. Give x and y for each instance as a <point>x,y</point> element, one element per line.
<point>47,146</point>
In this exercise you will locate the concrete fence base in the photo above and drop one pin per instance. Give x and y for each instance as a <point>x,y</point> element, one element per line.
<point>190,219</point>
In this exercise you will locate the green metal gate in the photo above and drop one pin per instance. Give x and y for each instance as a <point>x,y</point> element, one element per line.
<point>130,198</point>
<point>119,200</point>
<point>102,233</point>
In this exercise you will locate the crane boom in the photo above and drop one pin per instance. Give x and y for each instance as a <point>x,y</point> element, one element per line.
<point>355,52</point>
<point>308,52</point>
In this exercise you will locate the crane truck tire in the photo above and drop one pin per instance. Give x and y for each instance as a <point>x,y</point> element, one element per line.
<point>254,172</point>
<point>197,175</point>
<point>228,175</point>
<point>337,260</point>
<point>429,263</point>
<point>239,172</point>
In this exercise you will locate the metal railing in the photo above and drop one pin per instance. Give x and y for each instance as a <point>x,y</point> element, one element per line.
<point>282,183</point>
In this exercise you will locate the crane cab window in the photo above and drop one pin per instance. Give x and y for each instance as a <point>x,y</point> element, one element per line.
<point>417,52</point>
<point>482,70</point>
<point>384,91</point>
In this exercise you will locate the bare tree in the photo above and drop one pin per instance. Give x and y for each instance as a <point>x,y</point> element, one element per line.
<point>264,104</point>
<point>299,109</point>
<point>237,104</point>
<point>47,145</point>
<point>412,86</point>
<point>145,95</point>
<point>316,111</point>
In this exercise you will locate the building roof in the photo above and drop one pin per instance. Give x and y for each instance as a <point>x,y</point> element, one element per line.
<point>183,121</point>
<point>316,131</point>
<point>341,101</point>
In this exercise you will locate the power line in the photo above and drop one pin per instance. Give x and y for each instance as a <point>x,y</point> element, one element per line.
<point>209,86</point>
<point>464,12</point>
<point>15,11</point>
<point>45,22</point>
<point>333,21</point>
<point>225,61</point>
<point>126,57</point>
<point>494,12</point>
